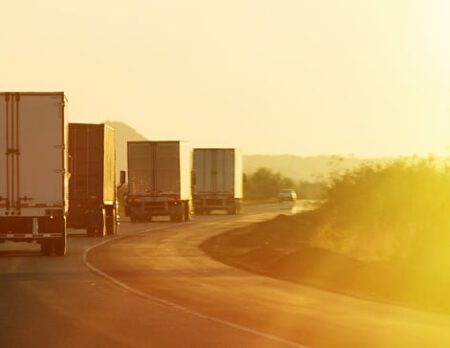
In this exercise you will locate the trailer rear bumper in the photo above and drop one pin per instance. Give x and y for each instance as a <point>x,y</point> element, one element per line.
<point>145,208</point>
<point>153,208</point>
<point>28,228</point>
<point>27,237</point>
<point>208,202</point>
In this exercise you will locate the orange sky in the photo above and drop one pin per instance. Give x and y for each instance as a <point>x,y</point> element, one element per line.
<point>304,77</point>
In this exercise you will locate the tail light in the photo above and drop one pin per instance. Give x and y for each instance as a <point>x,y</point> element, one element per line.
<point>173,200</point>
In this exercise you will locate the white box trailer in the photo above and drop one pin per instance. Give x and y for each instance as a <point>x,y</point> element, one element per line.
<point>159,180</point>
<point>33,169</point>
<point>218,180</point>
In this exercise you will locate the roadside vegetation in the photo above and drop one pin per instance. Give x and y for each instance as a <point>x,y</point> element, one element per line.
<point>264,185</point>
<point>381,231</point>
<point>392,212</point>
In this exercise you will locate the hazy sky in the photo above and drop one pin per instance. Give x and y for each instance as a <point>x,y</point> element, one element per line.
<point>288,76</point>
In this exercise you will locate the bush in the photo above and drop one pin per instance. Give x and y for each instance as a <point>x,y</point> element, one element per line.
<point>265,184</point>
<point>396,211</point>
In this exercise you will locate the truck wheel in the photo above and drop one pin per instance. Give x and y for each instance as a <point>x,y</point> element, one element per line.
<point>46,247</point>
<point>101,223</point>
<point>90,225</point>
<point>182,212</point>
<point>134,217</point>
<point>187,212</point>
<point>111,221</point>
<point>90,231</point>
<point>234,208</point>
<point>237,206</point>
<point>60,246</point>
<point>176,213</point>
<point>177,217</point>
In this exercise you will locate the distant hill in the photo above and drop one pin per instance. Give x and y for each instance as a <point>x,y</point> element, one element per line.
<point>302,168</point>
<point>295,167</point>
<point>124,133</point>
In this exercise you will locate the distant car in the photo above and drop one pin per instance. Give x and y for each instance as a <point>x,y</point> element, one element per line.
<point>287,195</point>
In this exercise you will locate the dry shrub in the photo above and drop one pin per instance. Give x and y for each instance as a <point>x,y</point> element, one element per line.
<point>398,211</point>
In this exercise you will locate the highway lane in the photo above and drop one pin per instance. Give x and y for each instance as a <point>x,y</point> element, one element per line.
<point>185,299</point>
<point>168,265</point>
<point>59,302</point>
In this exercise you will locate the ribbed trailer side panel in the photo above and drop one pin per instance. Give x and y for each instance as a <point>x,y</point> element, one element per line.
<point>4,134</point>
<point>167,168</point>
<point>33,152</point>
<point>218,184</point>
<point>140,168</point>
<point>238,174</point>
<point>226,166</point>
<point>86,152</point>
<point>159,180</point>
<point>33,169</point>
<point>109,172</point>
<point>93,183</point>
<point>159,168</point>
<point>218,171</point>
<point>185,171</point>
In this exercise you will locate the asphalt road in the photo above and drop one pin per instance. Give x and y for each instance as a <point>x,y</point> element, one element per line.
<point>152,287</point>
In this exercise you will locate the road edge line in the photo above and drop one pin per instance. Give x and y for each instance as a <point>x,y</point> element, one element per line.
<point>170,304</point>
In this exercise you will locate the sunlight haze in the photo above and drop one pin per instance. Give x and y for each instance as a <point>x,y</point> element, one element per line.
<point>370,78</point>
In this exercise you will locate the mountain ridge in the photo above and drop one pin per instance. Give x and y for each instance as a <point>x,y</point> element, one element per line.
<point>298,168</point>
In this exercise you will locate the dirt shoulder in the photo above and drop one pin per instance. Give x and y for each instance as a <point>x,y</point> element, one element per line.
<point>280,248</point>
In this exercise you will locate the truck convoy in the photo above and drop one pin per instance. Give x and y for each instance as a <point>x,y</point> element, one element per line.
<point>218,180</point>
<point>92,184</point>
<point>33,169</point>
<point>159,180</point>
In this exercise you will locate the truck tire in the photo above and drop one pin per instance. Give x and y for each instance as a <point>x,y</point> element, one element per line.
<point>134,217</point>
<point>90,231</point>
<point>46,247</point>
<point>238,206</point>
<point>90,225</point>
<point>235,207</point>
<point>183,212</point>
<point>232,210</point>
<point>177,217</point>
<point>100,226</point>
<point>60,246</point>
<point>111,221</point>
<point>176,213</point>
<point>187,212</point>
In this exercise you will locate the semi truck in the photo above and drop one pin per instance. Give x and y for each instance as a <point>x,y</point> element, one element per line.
<point>159,180</point>
<point>33,169</point>
<point>92,184</point>
<point>217,180</point>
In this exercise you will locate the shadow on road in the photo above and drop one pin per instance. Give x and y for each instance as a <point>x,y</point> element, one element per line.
<point>20,253</point>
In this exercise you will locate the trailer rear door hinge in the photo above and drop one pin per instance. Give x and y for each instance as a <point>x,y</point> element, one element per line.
<point>12,152</point>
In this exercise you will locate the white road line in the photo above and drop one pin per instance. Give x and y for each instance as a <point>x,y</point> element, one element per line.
<point>172,304</point>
